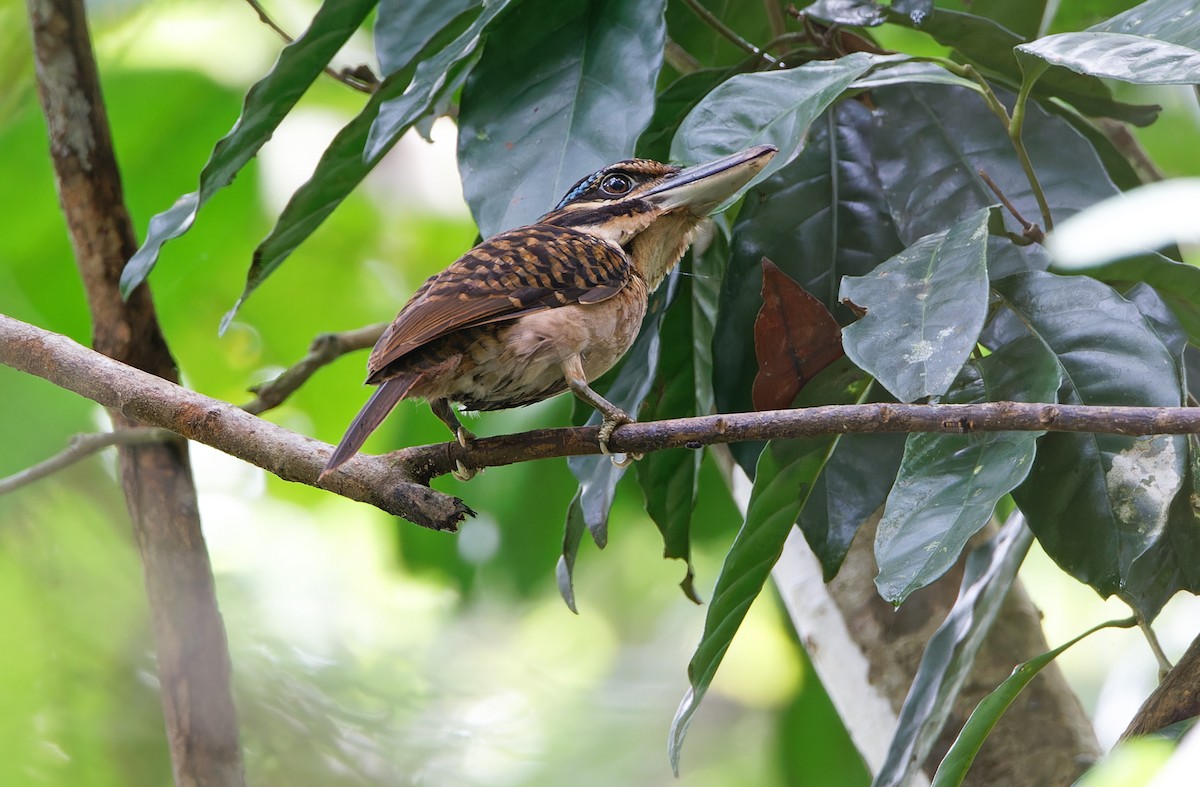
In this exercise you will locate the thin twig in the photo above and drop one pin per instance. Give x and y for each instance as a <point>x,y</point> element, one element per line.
<point>325,349</point>
<point>81,447</point>
<point>359,78</point>
<point>1030,231</point>
<point>710,19</point>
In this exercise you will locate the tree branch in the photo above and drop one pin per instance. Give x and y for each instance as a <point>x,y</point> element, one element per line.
<point>81,447</point>
<point>325,349</point>
<point>189,636</point>
<point>151,400</point>
<point>395,482</point>
<point>1176,698</point>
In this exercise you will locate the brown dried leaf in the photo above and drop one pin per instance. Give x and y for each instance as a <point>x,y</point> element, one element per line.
<point>795,337</point>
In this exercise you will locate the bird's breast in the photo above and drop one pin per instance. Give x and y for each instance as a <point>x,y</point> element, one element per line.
<point>515,363</point>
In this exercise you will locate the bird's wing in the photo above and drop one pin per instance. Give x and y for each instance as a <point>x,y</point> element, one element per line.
<point>518,272</point>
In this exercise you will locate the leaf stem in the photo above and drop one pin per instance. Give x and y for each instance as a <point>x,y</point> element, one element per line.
<point>1014,134</point>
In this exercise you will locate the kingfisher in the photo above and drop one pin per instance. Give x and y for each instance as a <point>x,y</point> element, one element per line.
<point>549,307</point>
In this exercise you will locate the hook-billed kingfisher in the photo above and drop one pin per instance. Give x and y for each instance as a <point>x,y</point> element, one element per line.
<point>549,307</point>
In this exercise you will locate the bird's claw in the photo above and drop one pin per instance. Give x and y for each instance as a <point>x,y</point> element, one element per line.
<point>461,471</point>
<point>607,426</point>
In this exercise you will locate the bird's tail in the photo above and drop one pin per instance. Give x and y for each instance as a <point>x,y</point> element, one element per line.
<point>368,419</point>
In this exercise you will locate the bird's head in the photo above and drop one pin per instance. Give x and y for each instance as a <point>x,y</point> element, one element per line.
<point>650,209</point>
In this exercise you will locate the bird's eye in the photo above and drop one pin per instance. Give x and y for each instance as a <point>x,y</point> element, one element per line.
<point>616,185</point>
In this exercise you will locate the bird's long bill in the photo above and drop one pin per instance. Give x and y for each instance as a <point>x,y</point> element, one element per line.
<point>705,186</point>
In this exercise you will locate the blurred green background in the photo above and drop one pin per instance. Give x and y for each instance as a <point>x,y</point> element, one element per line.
<point>367,650</point>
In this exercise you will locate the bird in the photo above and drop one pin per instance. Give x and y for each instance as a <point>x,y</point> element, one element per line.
<point>549,307</point>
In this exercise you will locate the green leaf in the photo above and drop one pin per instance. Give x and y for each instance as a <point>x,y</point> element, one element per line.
<point>1178,283</point>
<point>397,113</point>
<point>775,107</point>
<point>948,658</point>
<point>990,47</point>
<point>1129,58</point>
<point>783,482</point>
<point>672,106</point>
<point>902,72</point>
<point>562,90</point>
<point>819,218</point>
<point>573,530</point>
<point>668,478</point>
<point>953,769</point>
<point>404,27</point>
<point>852,486</point>
<point>784,478</point>
<point>949,484</point>
<point>709,46</point>
<point>924,310</point>
<point>267,102</point>
<point>1097,502</point>
<point>1023,17</point>
<point>851,13</point>
<point>344,164</point>
<point>1172,563</point>
<point>1174,21</point>
<point>935,141</point>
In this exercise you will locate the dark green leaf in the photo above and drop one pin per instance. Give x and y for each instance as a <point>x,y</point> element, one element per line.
<point>821,217</point>
<point>397,113</point>
<point>672,106</point>
<point>990,46</point>
<point>404,27</point>
<point>900,72</point>
<point>1077,16</point>
<point>710,47</point>
<point>783,482</point>
<point>1023,17</point>
<point>852,13</point>
<point>962,753</point>
<point>935,140</point>
<point>267,102</point>
<point>1172,563</point>
<point>987,577</point>
<point>775,107</point>
<point>784,477</point>
<point>1178,283</point>
<point>1129,58</point>
<point>1173,21</point>
<point>344,163</point>
<point>924,310</point>
<point>852,486</point>
<point>668,478</point>
<point>1097,502</point>
<point>916,10</point>
<point>564,572</point>
<point>562,90</point>
<point>948,485</point>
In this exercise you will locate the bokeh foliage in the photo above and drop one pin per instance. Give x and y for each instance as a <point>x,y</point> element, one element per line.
<point>884,114</point>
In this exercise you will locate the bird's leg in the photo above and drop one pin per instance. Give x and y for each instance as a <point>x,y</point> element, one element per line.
<point>445,413</point>
<point>612,416</point>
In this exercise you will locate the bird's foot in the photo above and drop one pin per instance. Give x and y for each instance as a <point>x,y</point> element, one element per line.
<point>607,426</point>
<point>461,471</point>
